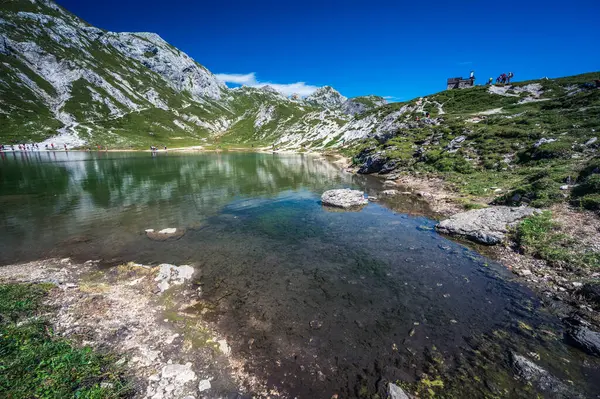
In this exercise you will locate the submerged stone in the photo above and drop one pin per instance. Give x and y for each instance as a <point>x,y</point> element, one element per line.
<point>165,234</point>
<point>585,339</point>
<point>529,372</point>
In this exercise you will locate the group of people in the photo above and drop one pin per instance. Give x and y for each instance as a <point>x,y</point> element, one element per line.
<point>30,147</point>
<point>504,78</point>
<point>154,148</point>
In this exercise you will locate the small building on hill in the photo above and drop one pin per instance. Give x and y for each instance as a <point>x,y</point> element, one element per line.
<point>458,83</point>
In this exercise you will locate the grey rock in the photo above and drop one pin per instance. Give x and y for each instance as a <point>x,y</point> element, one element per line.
<point>395,392</point>
<point>487,226</point>
<point>588,143</point>
<point>456,143</point>
<point>373,163</point>
<point>543,141</point>
<point>529,372</point>
<point>390,193</point>
<point>585,339</point>
<point>344,198</point>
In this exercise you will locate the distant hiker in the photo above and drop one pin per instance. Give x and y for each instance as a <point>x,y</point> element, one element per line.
<point>52,145</point>
<point>427,115</point>
<point>65,147</point>
<point>418,119</point>
<point>472,77</point>
<point>490,81</point>
<point>510,76</point>
<point>165,148</point>
<point>498,79</point>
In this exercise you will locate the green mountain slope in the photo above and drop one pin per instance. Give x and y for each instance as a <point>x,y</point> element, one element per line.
<point>518,143</point>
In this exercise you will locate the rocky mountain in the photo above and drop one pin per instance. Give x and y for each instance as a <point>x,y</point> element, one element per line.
<point>327,97</point>
<point>64,81</point>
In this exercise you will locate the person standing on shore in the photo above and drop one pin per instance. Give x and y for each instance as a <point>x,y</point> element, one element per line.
<point>472,77</point>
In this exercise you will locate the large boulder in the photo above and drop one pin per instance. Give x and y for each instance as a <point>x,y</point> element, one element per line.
<point>487,226</point>
<point>344,198</point>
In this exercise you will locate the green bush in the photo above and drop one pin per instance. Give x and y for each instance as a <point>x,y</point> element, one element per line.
<point>556,149</point>
<point>539,190</point>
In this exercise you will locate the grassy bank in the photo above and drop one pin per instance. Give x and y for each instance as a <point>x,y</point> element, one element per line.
<point>36,363</point>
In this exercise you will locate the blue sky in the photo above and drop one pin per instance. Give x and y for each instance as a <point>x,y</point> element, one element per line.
<point>395,49</point>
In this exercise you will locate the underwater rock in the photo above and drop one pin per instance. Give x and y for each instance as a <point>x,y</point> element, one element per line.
<point>585,339</point>
<point>165,234</point>
<point>528,371</point>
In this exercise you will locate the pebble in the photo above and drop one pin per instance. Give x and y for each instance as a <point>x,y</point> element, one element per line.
<point>204,385</point>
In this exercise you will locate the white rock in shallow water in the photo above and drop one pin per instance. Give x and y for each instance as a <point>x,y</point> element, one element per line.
<point>344,198</point>
<point>487,225</point>
<point>170,233</point>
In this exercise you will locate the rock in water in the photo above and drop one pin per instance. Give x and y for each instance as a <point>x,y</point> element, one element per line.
<point>344,198</point>
<point>395,392</point>
<point>586,339</point>
<point>487,226</point>
<point>165,234</point>
<point>529,372</point>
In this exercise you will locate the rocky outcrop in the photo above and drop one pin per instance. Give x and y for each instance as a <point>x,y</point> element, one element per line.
<point>529,372</point>
<point>344,198</point>
<point>487,226</point>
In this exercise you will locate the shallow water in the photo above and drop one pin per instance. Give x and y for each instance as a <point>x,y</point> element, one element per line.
<point>318,301</point>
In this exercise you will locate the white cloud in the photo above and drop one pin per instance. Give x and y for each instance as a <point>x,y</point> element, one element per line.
<point>393,98</point>
<point>249,79</point>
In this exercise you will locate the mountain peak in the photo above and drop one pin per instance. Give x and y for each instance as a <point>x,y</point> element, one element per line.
<point>327,96</point>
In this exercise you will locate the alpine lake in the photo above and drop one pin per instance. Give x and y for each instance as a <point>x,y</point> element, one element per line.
<point>332,301</point>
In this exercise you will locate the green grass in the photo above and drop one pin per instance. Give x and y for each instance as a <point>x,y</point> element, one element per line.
<point>539,236</point>
<point>35,363</point>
